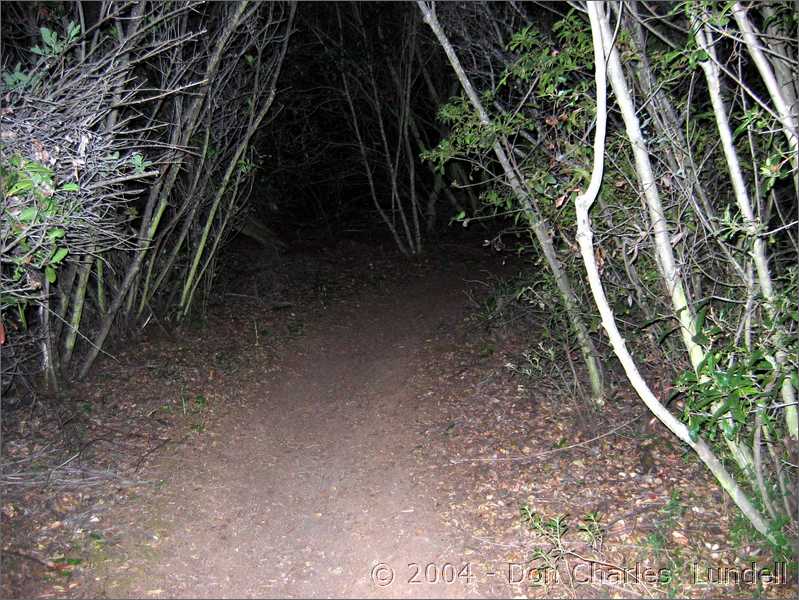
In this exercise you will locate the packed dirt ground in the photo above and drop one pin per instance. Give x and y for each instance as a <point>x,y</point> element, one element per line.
<point>348,422</point>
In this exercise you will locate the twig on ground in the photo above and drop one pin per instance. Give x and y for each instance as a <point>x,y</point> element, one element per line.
<point>546,452</point>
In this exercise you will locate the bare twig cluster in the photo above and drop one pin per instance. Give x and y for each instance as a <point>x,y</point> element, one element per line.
<point>127,163</point>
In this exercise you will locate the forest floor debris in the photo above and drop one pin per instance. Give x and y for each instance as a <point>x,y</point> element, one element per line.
<point>338,416</point>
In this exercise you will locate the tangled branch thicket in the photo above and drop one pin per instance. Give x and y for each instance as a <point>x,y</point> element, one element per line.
<point>126,164</point>
<point>693,220</point>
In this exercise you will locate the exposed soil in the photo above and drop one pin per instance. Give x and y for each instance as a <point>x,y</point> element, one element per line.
<point>358,434</point>
<point>312,481</point>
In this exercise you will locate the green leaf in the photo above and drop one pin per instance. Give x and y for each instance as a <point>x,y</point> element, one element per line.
<point>59,255</point>
<point>668,57</point>
<point>698,56</point>
<point>693,432</point>
<point>74,31</point>
<point>50,38</point>
<point>70,187</point>
<point>21,314</point>
<point>699,322</point>
<point>28,214</point>
<point>56,233</point>
<point>49,272</point>
<point>35,168</point>
<point>23,185</point>
<point>700,338</point>
<point>708,363</point>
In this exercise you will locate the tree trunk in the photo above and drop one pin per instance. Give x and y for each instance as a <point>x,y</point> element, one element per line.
<point>601,38</point>
<point>538,226</point>
<point>681,306</point>
<point>752,224</point>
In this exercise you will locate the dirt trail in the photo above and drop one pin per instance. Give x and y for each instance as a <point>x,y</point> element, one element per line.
<point>313,490</point>
<point>368,431</point>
